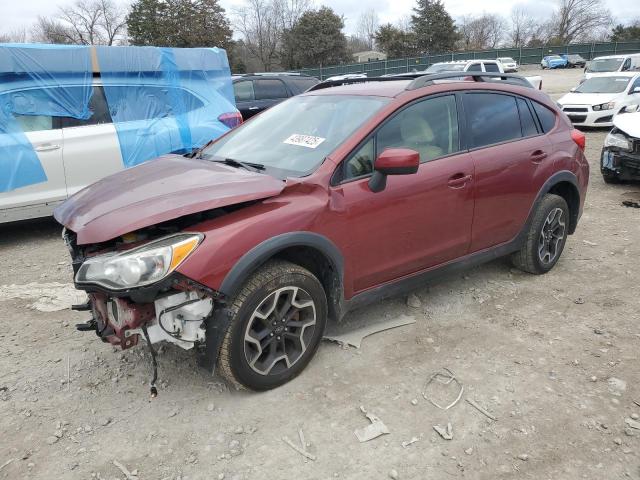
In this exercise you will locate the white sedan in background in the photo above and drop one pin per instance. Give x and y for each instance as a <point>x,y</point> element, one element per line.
<point>595,102</point>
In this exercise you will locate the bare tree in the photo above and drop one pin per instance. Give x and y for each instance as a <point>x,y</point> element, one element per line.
<point>86,22</point>
<point>523,27</point>
<point>260,23</point>
<point>18,35</point>
<point>485,31</point>
<point>367,27</point>
<point>576,20</point>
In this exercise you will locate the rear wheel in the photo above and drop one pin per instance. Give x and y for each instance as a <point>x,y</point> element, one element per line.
<point>546,237</point>
<point>278,319</point>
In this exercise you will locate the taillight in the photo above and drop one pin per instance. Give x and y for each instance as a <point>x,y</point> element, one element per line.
<point>231,119</point>
<point>580,138</point>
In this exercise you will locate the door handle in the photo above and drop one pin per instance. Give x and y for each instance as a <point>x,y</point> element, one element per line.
<point>459,180</point>
<point>538,156</point>
<point>49,147</point>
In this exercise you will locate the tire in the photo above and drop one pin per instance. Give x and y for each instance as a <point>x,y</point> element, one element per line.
<point>260,319</point>
<point>545,239</point>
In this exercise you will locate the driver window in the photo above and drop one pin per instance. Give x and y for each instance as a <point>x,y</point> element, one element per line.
<point>429,127</point>
<point>627,65</point>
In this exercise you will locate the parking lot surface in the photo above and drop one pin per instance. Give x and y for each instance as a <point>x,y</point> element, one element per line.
<point>553,358</point>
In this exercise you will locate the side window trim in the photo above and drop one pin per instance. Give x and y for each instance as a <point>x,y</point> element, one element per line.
<point>373,133</point>
<point>533,116</point>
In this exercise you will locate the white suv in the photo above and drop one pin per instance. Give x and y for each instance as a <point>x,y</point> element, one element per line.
<point>75,153</point>
<point>478,66</point>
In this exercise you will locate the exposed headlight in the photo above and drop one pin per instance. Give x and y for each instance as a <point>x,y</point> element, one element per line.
<point>139,266</point>
<point>618,141</point>
<point>604,106</point>
<point>630,109</point>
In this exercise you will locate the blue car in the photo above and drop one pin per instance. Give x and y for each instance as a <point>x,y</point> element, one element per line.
<point>553,61</point>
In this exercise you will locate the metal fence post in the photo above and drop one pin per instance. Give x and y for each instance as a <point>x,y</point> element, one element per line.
<point>520,56</point>
<point>615,48</point>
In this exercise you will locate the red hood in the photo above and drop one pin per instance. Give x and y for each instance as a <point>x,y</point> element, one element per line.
<point>163,189</point>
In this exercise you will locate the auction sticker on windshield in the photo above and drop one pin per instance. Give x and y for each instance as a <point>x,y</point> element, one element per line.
<point>308,141</point>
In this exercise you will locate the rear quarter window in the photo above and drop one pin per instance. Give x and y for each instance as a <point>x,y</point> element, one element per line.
<point>529,127</point>
<point>546,117</point>
<point>271,89</point>
<point>492,118</point>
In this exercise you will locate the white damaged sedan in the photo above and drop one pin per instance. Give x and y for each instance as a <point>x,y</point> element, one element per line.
<point>595,102</point>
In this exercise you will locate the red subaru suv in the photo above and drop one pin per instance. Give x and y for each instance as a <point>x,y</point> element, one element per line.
<point>348,193</point>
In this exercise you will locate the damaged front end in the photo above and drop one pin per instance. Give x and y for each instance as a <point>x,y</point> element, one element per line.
<point>620,157</point>
<point>134,291</point>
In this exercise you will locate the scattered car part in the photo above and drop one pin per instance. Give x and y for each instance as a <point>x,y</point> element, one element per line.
<point>371,431</point>
<point>475,405</point>
<point>445,433</point>
<point>445,379</point>
<point>355,337</point>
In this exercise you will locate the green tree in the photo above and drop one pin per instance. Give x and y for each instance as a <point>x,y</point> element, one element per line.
<point>317,39</point>
<point>395,42</point>
<point>620,33</point>
<point>178,23</point>
<point>433,26</point>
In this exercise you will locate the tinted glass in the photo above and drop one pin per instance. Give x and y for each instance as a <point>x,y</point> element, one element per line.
<point>302,84</point>
<point>526,119</point>
<point>491,67</point>
<point>294,137</point>
<point>270,89</point>
<point>429,127</point>
<point>547,117</point>
<point>361,162</point>
<point>98,108</point>
<point>243,91</point>
<point>636,84</point>
<point>493,118</point>
<point>476,67</point>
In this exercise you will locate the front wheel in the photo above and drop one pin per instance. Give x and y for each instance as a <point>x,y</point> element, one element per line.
<point>278,320</point>
<point>546,237</point>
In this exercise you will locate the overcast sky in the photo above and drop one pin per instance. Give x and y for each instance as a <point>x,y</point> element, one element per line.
<point>18,13</point>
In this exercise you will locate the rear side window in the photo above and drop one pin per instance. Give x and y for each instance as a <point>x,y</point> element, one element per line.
<point>476,67</point>
<point>302,84</point>
<point>526,119</point>
<point>547,117</point>
<point>492,118</point>
<point>270,89</point>
<point>491,67</point>
<point>243,91</point>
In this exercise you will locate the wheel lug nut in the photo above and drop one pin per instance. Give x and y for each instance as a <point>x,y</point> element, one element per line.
<point>271,334</point>
<point>277,338</point>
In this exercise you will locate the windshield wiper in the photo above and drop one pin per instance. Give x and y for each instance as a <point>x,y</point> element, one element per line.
<point>238,164</point>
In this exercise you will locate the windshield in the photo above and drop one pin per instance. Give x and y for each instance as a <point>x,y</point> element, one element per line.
<point>294,137</point>
<point>604,85</point>
<point>605,65</point>
<point>445,67</point>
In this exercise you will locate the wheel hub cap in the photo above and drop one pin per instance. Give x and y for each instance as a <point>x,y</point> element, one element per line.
<point>279,330</point>
<point>551,236</point>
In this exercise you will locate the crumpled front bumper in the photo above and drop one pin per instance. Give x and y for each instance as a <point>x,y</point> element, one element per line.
<point>625,165</point>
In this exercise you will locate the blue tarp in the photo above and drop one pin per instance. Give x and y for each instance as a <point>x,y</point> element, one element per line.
<point>160,100</point>
<point>37,66</point>
<point>165,100</point>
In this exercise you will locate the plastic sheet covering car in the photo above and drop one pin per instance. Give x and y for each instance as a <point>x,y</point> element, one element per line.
<point>27,73</point>
<point>165,100</point>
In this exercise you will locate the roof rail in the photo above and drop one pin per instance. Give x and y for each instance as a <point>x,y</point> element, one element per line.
<point>510,78</point>
<point>424,80</point>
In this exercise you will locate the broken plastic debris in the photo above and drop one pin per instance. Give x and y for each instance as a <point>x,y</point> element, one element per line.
<point>301,451</point>
<point>374,430</point>
<point>447,433</point>
<point>355,336</point>
<point>480,409</point>
<point>410,442</point>
<point>444,379</point>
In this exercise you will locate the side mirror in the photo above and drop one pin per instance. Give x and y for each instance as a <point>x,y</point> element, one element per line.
<point>573,89</point>
<point>393,161</point>
<point>635,90</point>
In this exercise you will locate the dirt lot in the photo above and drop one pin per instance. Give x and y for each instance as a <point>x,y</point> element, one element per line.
<point>554,358</point>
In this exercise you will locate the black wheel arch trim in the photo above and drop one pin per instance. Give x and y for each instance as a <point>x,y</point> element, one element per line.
<point>266,250</point>
<point>555,179</point>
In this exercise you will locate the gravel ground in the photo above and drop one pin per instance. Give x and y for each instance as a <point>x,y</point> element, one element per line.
<point>553,358</point>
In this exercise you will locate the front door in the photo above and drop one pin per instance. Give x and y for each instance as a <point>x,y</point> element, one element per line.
<point>417,221</point>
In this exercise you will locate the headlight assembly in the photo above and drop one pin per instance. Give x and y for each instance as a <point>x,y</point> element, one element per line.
<point>604,106</point>
<point>139,266</point>
<point>617,140</point>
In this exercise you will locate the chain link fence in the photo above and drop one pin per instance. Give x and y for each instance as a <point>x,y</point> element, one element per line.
<point>524,56</point>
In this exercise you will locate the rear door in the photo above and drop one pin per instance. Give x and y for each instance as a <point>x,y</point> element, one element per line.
<point>245,98</point>
<point>91,147</point>
<point>269,92</point>
<point>417,221</point>
<point>37,200</point>
<point>512,158</point>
